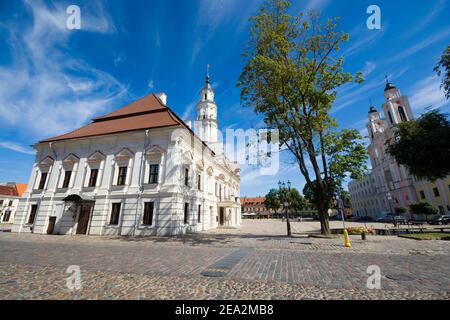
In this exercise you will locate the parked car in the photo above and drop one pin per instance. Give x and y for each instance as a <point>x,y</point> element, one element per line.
<point>361,218</point>
<point>399,219</point>
<point>385,217</point>
<point>441,219</point>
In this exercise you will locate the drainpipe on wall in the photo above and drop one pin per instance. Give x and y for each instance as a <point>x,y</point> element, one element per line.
<point>140,181</point>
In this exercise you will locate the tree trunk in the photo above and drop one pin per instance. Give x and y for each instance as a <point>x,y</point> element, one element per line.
<point>324,223</point>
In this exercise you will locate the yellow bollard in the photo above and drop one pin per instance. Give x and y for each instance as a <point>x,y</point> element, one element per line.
<point>346,239</point>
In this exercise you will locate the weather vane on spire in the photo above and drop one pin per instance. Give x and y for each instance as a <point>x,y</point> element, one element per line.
<point>386,77</point>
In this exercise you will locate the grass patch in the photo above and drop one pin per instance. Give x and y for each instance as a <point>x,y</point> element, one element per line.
<point>427,236</point>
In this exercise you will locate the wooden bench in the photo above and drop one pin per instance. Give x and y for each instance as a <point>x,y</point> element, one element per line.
<point>442,228</point>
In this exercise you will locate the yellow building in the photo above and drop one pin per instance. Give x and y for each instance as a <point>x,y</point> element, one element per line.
<point>436,193</point>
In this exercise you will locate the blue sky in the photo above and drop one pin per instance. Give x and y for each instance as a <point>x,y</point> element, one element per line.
<point>53,80</point>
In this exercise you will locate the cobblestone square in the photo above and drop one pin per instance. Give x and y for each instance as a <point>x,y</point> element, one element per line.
<point>256,261</point>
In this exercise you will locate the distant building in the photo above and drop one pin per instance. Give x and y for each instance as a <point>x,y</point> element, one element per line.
<point>10,194</point>
<point>254,207</point>
<point>389,185</point>
<point>436,193</point>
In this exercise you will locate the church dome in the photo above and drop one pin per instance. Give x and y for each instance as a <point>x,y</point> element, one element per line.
<point>389,86</point>
<point>372,109</point>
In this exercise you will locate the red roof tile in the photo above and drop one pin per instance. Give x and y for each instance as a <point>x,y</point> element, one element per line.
<point>8,191</point>
<point>21,187</point>
<point>143,105</point>
<point>144,113</point>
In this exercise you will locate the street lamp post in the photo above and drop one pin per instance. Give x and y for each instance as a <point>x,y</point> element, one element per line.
<point>285,201</point>
<point>340,209</point>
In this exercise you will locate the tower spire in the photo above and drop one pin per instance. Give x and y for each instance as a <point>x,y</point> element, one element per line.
<point>207,74</point>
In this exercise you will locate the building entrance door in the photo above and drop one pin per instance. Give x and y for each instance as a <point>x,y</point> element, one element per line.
<point>221,216</point>
<point>83,218</point>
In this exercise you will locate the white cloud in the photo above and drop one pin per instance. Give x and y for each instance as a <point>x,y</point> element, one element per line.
<point>427,93</point>
<point>45,89</point>
<point>425,20</point>
<point>188,111</point>
<point>444,34</point>
<point>16,147</point>
<point>363,37</point>
<point>212,13</point>
<point>317,5</point>
<point>150,84</point>
<point>369,67</point>
<point>119,58</point>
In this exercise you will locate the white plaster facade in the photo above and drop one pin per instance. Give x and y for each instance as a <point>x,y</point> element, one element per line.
<point>190,187</point>
<point>8,207</point>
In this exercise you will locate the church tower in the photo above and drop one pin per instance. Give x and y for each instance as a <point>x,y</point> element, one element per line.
<point>206,125</point>
<point>375,124</point>
<point>396,108</point>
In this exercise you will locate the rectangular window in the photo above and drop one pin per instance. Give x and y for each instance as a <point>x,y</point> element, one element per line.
<point>436,192</point>
<point>93,178</point>
<point>7,216</point>
<point>148,213</point>
<point>186,213</point>
<point>186,177</point>
<point>199,182</point>
<point>422,194</point>
<point>1,202</point>
<point>42,181</point>
<point>66,181</point>
<point>115,213</point>
<point>199,218</point>
<point>33,211</point>
<point>10,203</point>
<point>154,172</point>
<point>122,177</point>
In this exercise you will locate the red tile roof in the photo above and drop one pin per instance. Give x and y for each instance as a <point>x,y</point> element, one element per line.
<point>8,191</point>
<point>145,113</point>
<point>21,187</point>
<point>148,103</point>
<point>253,201</point>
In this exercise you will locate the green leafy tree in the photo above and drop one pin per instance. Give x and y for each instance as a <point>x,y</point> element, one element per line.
<point>345,196</point>
<point>275,199</point>
<point>308,193</point>
<point>272,200</point>
<point>296,201</point>
<point>443,69</point>
<point>291,75</point>
<point>423,145</point>
<point>400,210</point>
<point>423,208</point>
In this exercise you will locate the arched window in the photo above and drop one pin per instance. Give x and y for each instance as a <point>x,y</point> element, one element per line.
<point>390,117</point>
<point>401,112</point>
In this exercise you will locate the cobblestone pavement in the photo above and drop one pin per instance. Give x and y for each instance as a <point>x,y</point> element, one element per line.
<point>272,267</point>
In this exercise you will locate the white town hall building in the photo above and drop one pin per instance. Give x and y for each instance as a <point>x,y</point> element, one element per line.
<point>139,170</point>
